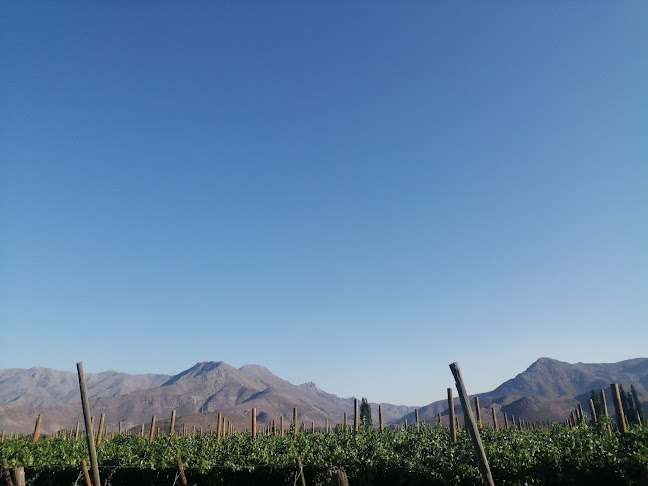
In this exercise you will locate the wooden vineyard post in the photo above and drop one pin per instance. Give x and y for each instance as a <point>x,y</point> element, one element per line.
<point>300,468</point>
<point>339,478</point>
<point>494,418</point>
<point>451,417</point>
<point>281,426</point>
<point>254,425</point>
<point>6,473</point>
<point>618,408</point>
<point>19,476</point>
<point>480,454</point>
<point>344,423</point>
<point>478,412</point>
<point>381,422</point>
<point>439,419</point>
<point>152,430</point>
<point>593,412</point>
<point>219,427</point>
<point>416,419</point>
<point>172,424</point>
<point>77,431</point>
<point>506,424</point>
<point>36,433</point>
<point>101,426</point>
<point>84,470</point>
<point>605,411</point>
<point>88,423</point>
<point>604,402</point>
<point>295,425</point>
<point>183,478</point>
<point>355,415</point>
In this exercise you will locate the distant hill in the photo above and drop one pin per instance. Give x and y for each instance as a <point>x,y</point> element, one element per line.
<point>206,387</point>
<point>48,388</point>
<point>548,390</point>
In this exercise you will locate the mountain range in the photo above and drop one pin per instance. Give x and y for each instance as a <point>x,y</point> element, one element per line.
<point>548,390</point>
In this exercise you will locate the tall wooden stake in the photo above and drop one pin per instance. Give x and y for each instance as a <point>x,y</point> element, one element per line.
<point>451,417</point>
<point>254,425</point>
<point>152,430</point>
<point>295,421</point>
<point>101,426</point>
<point>172,424</point>
<point>36,434</point>
<point>86,476</point>
<point>593,412</point>
<point>88,423</point>
<point>480,453</point>
<point>618,408</point>
<point>302,479</point>
<point>381,422</point>
<point>355,415</point>
<point>478,411</point>
<point>183,478</point>
<point>494,418</point>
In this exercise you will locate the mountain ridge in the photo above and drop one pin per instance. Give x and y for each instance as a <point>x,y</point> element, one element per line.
<point>547,389</point>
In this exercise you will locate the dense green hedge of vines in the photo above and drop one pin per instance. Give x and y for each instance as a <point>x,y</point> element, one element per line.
<point>557,456</point>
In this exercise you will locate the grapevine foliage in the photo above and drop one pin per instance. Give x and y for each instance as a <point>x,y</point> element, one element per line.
<point>558,455</point>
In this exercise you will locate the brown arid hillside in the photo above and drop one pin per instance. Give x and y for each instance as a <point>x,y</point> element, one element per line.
<point>44,387</point>
<point>549,390</point>
<point>207,387</point>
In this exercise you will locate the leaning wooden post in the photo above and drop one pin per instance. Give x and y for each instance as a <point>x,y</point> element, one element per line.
<point>494,418</point>
<point>152,430</point>
<point>302,480</point>
<point>295,425</point>
<point>451,417</point>
<point>381,422</point>
<point>172,424</point>
<point>86,476</point>
<point>618,408</point>
<point>89,433</point>
<point>478,411</point>
<point>183,478</point>
<point>506,424</point>
<point>7,473</point>
<point>36,434</point>
<point>593,412</point>
<point>480,454</point>
<point>101,426</point>
<point>254,425</point>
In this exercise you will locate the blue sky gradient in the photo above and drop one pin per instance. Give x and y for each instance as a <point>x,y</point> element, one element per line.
<point>353,193</point>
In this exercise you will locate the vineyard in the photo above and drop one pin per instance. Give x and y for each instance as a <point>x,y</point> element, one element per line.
<point>556,455</point>
<point>518,453</point>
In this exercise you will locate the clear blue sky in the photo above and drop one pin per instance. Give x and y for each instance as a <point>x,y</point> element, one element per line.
<point>353,193</point>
